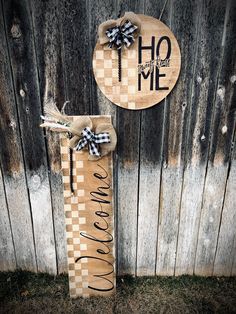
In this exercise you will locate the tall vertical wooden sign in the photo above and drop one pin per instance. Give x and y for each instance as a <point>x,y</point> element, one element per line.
<point>89,221</point>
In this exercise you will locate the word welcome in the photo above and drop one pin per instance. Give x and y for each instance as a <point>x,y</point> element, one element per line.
<point>100,197</point>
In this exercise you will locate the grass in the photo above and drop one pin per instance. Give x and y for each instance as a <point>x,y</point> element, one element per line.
<point>25,292</point>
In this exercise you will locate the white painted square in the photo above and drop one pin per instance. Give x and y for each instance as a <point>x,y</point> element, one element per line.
<point>84,272</point>
<point>72,285</point>
<point>100,73</point>
<point>75,213</point>
<point>68,221</point>
<point>75,227</point>
<point>66,179</point>
<point>124,81</point>
<point>79,164</point>
<point>78,290</point>
<point>131,89</point>
<point>71,260</point>
<point>74,200</point>
<point>107,64</point>
<point>114,54</point>
<point>83,247</point>
<point>81,206</point>
<point>115,73</point>
<point>76,240</point>
<point>82,220</point>
<point>64,149</point>
<point>74,172</point>
<point>67,193</point>
<point>108,81</point>
<point>131,105</point>
<point>80,178</point>
<point>99,54</point>
<point>123,98</point>
<point>69,235</point>
<point>131,53</point>
<point>124,63</point>
<point>84,260</point>
<point>131,72</point>
<point>67,207</point>
<point>65,164</point>
<point>77,254</point>
<point>70,247</point>
<point>80,193</point>
<point>71,273</point>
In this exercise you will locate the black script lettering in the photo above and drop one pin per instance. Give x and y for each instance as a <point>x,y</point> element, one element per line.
<point>101,276</point>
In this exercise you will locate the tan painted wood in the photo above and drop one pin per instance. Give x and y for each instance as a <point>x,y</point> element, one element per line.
<point>126,93</point>
<point>89,221</point>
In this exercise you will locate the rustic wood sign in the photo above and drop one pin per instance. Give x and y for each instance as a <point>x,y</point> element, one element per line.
<point>89,221</point>
<point>150,67</point>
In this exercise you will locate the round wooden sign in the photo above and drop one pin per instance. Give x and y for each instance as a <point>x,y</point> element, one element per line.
<point>150,67</point>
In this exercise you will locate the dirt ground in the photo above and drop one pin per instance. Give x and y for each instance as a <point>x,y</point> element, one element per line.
<point>24,292</point>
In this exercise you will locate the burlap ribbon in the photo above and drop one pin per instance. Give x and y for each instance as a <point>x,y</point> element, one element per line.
<point>58,122</point>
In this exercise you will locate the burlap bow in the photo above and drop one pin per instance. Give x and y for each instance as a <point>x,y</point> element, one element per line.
<point>119,23</point>
<point>100,140</point>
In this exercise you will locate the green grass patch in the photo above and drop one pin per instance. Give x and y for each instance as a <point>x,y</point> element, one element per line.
<point>25,292</point>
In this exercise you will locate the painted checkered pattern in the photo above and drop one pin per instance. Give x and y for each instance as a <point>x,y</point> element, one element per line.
<point>75,221</point>
<point>105,65</point>
<point>79,216</point>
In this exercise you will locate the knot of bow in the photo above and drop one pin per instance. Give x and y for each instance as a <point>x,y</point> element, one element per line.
<point>121,35</point>
<point>92,140</point>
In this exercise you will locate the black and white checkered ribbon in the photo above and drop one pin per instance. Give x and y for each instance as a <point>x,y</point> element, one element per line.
<point>121,35</point>
<point>92,140</point>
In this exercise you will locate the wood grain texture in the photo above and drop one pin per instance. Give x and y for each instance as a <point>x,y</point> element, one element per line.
<point>220,150</point>
<point>151,144</point>
<point>12,166</point>
<point>76,53</point>
<point>208,57</point>
<point>128,130</point>
<point>26,87</point>
<point>48,43</point>
<point>7,251</point>
<point>176,116</point>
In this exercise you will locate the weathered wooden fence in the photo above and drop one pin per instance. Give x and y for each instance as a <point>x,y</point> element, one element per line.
<point>175,165</point>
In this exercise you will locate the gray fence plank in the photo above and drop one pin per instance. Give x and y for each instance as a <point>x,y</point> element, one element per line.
<point>7,251</point>
<point>205,84</point>
<point>152,129</point>
<point>222,136</point>
<point>25,77</point>
<point>12,165</point>
<point>46,23</point>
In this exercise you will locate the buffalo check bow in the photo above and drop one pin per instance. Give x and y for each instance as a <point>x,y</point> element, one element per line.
<point>92,140</point>
<point>121,35</point>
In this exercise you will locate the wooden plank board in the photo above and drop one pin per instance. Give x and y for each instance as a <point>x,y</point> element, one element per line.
<point>89,221</point>
<point>176,115</point>
<point>224,263</point>
<point>48,44</point>
<point>76,49</point>
<point>128,131</point>
<point>12,166</point>
<point>151,142</point>
<point>208,56</point>
<point>7,251</point>
<point>220,151</point>
<point>26,86</point>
